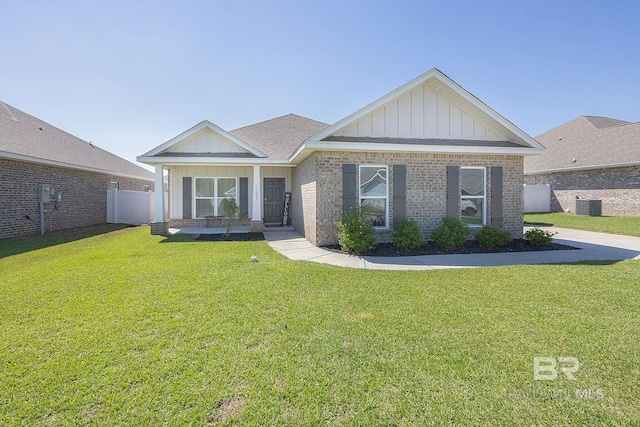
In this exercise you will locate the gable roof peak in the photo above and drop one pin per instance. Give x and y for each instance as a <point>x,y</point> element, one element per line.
<point>439,83</point>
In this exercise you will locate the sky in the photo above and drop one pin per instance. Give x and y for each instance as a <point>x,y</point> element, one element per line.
<point>130,75</point>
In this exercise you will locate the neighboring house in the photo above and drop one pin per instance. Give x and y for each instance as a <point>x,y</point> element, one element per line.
<point>590,158</point>
<point>33,152</point>
<point>425,150</point>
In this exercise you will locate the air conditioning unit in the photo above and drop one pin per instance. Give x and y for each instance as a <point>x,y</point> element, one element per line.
<point>589,207</point>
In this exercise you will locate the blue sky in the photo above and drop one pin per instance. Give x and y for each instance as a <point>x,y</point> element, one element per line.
<point>130,75</point>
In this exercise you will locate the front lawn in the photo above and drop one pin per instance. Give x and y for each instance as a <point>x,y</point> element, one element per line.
<point>132,329</point>
<point>627,225</point>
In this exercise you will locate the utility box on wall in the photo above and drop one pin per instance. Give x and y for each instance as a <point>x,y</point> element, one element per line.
<point>45,193</point>
<point>589,207</point>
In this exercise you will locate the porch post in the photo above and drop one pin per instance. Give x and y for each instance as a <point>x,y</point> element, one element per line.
<point>256,211</point>
<point>159,226</point>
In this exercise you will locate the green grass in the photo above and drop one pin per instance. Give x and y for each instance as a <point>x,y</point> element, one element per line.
<point>627,225</point>
<point>132,329</point>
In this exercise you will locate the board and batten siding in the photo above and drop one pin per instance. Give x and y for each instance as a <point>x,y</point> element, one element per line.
<point>177,173</point>
<point>420,113</point>
<point>206,141</point>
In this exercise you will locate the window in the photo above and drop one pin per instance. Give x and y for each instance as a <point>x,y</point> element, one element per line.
<point>210,192</point>
<point>374,194</point>
<point>146,188</point>
<point>113,185</point>
<point>473,191</point>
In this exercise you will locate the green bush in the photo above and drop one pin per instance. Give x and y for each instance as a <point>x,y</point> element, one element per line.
<point>539,237</point>
<point>355,233</point>
<point>490,237</point>
<point>406,234</point>
<point>451,233</point>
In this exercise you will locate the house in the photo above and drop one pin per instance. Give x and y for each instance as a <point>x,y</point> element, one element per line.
<point>422,151</point>
<point>590,158</point>
<point>33,152</point>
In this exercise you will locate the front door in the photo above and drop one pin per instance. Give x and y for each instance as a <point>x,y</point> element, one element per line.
<point>273,201</point>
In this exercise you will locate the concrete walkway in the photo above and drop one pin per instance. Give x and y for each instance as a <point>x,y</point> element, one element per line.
<point>593,246</point>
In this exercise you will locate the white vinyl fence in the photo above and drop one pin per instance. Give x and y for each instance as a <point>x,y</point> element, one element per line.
<point>537,198</point>
<point>129,207</point>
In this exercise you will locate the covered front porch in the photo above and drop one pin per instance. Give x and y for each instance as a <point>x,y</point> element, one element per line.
<point>195,193</point>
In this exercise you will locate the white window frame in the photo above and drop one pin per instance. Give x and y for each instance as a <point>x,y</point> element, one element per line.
<point>216,197</point>
<point>360,197</point>
<point>483,197</point>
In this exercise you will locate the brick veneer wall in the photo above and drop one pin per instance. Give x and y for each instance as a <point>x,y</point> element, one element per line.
<point>84,199</point>
<point>618,188</point>
<point>303,198</point>
<point>426,189</point>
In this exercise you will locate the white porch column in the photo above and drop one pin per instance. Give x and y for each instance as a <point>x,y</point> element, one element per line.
<point>158,203</point>
<point>256,212</point>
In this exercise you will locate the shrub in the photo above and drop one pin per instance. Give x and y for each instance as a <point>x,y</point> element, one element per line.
<point>451,233</point>
<point>539,237</point>
<point>406,234</point>
<point>490,237</point>
<point>355,233</point>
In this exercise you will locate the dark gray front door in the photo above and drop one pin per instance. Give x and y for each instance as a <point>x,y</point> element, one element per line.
<point>273,201</point>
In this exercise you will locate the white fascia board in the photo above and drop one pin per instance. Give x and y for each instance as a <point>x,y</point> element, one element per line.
<point>414,148</point>
<point>212,161</point>
<point>198,128</point>
<point>583,168</point>
<point>55,163</point>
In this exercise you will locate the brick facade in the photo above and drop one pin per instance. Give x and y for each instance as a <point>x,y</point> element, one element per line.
<point>317,189</point>
<point>84,200</point>
<point>618,188</point>
<point>303,198</point>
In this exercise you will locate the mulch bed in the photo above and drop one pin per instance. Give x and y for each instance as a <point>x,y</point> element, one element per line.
<point>470,247</point>
<point>234,237</point>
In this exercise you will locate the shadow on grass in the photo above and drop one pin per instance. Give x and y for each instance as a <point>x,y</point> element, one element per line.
<point>538,224</point>
<point>234,237</point>
<point>18,245</point>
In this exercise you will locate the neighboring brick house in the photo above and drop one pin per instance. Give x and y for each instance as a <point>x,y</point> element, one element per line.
<point>33,152</point>
<point>426,150</point>
<point>590,158</point>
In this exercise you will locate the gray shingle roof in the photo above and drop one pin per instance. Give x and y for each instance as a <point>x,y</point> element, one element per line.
<point>592,141</point>
<point>278,138</point>
<point>24,135</point>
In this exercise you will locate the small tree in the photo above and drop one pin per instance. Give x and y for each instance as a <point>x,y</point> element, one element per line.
<point>232,213</point>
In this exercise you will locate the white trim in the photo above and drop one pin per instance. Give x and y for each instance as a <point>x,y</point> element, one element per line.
<point>212,161</point>
<point>197,128</point>
<point>413,148</point>
<point>583,168</point>
<point>23,158</point>
<point>360,197</point>
<point>483,197</point>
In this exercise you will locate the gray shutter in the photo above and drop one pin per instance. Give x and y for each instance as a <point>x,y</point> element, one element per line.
<point>186,197</point>
<point>349,187</point>
<point>243,195</point>
<point>496,196</point>
<point>399,191</point>
<point>453,191</point>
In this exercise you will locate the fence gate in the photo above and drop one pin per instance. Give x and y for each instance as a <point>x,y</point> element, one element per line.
<point>129,207</point>
<point>537,198</point>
